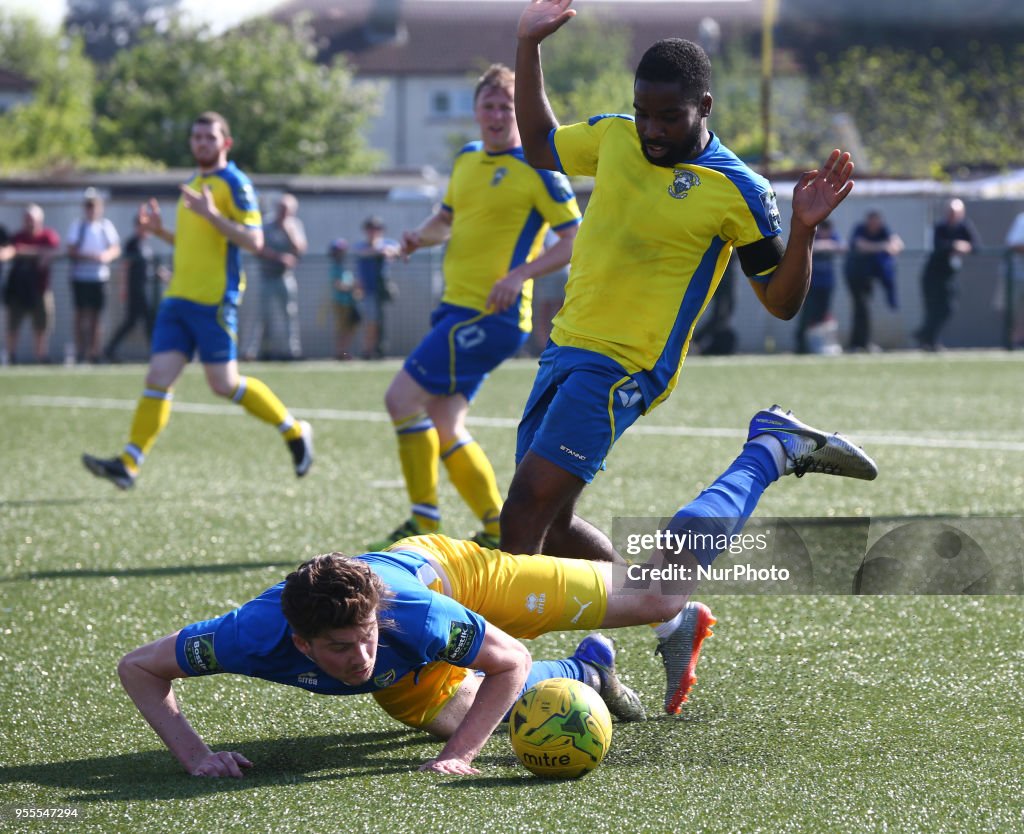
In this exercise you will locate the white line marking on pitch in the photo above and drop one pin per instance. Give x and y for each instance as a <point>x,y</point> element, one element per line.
<point>891,439</point>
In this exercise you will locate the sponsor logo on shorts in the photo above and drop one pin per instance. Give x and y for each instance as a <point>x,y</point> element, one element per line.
<point>536,602</point>
<point>630,394</point>
<point>572,452</point>
<point>200,656</point>
<point>583,607</point>
<point>470,337</point>
<point>460,641</point>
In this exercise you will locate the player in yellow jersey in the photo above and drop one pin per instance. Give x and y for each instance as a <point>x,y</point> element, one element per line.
<point>217,218</point>
<point>494,218</point>
<point>669,207</point>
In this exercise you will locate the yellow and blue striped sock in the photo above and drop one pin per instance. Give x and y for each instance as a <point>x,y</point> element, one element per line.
<point>151,415</point>
<point>473,476</point>
<point>418,446</point>
<point>257,398</point>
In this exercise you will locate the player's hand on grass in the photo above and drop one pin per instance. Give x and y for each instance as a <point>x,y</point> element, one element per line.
<point>452,766</point>
<point>224,763</point>
<point>542,17</point>
<point>820,191</point>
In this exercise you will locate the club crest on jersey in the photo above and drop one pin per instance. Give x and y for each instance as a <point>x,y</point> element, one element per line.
<point>683,182</point>
<point>499,175</point>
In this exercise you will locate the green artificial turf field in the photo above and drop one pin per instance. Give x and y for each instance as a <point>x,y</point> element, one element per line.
<point>813,713</point>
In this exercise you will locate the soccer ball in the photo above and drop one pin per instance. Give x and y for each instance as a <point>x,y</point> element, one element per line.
<point>560,729</point>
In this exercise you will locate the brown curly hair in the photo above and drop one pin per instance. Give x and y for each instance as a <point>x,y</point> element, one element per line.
<point>331,591</point>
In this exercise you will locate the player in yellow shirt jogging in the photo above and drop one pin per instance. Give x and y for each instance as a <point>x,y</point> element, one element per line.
<point>494,217</point>
<point>217,218</point>
<point>670,205</point>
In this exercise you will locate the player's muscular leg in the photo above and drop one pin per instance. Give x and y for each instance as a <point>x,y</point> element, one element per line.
<point>452,713</point>
<point>448,415</point>
<point>539,515</point>
<point>405,396</point>
<point>165,368</point>
<point>574,537</point>
<point>222,377</point>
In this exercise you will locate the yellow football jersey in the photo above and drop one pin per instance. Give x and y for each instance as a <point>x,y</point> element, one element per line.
<point>501,209</point>
<point>207,266</point>
<point>653,246</point>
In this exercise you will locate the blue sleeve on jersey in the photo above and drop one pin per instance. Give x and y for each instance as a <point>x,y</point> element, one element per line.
<point>242,191</point>
<point>469,147</point>
<point>233,641</point>
<point>557,185</point>
<point>554,150</point>
<point>593,120</point>
<point>452,632</point>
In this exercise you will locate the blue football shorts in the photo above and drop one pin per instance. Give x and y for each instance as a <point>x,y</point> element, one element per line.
<point>581,403</point>
<point>186,327</point>
<point>461,349</point>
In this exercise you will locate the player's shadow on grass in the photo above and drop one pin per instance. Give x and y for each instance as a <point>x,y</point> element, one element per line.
<point>156,775</point>
<point>167,570</point>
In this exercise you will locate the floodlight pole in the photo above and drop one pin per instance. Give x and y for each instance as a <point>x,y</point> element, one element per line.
<point>771,10</point>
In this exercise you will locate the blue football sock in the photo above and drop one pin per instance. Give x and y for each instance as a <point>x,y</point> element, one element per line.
<point>544,669</point>
<point>724,507</point>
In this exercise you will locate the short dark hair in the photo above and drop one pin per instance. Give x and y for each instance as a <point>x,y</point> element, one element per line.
<point>212,117</point>
<point>331,591</point>
<point>677,61</point>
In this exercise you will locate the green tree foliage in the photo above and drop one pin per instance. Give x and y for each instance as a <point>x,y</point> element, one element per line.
<point>921,113</point>
<point>287,113</point>
<point>55,128</point>
<point>587,70</point>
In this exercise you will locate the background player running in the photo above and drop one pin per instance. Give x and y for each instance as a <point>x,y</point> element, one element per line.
<point>494,218</point>
<point>218,216</point>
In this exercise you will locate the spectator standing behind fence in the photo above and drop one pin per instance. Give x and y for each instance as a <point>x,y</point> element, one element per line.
<point>872,257</point>
<point>953,237</point>
<point>141,278</point>
<point>816,314</point>
<point>1015,241</point>
<point>27,293</point>
<point>284,244</point>
<point>344,295</point>
<point>372,255</point>
<point>93,243</point>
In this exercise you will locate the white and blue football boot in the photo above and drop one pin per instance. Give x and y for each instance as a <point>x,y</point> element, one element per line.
<point>811,450</point>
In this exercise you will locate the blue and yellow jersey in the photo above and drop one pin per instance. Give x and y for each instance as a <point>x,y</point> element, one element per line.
<point>207,266</point>
<point>255,640</point>
<point>653,247</point>
<point>501,209</point>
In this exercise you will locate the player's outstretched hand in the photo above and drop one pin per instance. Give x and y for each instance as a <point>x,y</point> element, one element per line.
<point>453,767</point>
<point>818,192</point>
<point>542,17</point>
<point>149,216</point>
<point>224,763</point>
<point>411,241</point>
<point>200,202</point>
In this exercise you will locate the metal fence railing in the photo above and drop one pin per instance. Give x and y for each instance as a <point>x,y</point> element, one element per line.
<point>987,309</point>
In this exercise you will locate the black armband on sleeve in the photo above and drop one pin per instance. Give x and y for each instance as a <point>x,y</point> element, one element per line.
<point>761,256</point>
